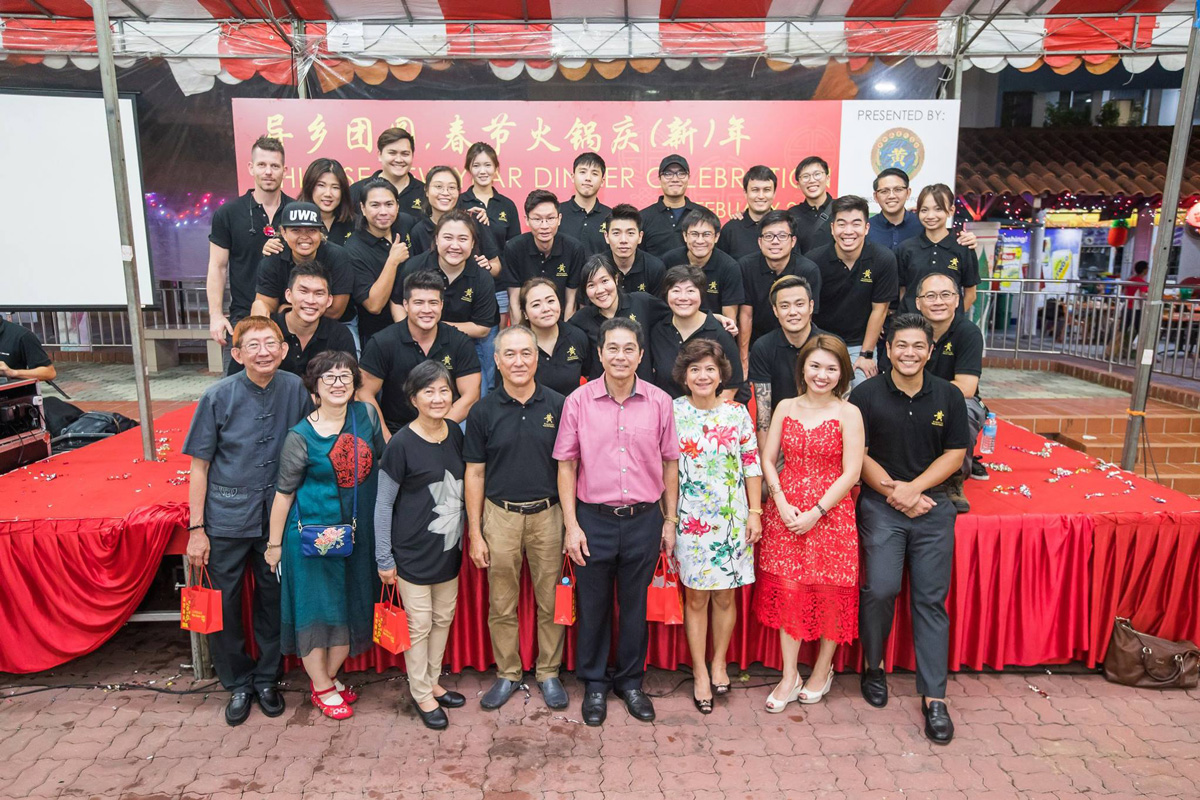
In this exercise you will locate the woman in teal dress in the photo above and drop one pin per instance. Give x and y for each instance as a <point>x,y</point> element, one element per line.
<point>327,602</point>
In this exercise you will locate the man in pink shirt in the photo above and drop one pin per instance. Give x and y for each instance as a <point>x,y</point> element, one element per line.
<point>618,457</point>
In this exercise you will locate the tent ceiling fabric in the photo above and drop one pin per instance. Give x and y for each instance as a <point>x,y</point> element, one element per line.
<point>232,40</point>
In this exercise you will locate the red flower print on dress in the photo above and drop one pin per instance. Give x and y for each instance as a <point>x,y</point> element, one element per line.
<point>341,455</point>
<point>724,435</point>
<point>694,526</point>
<point>749,457</point>
<point>690,448</point>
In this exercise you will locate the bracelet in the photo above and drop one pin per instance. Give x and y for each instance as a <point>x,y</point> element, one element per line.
<point>821,509</point>
<point>672,520</point>
<point>756,511</point>
<point>195,527</point>
<point>774,490</point>
<point>271,546</point>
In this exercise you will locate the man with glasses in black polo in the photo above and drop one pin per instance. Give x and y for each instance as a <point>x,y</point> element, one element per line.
<point>661,222</point>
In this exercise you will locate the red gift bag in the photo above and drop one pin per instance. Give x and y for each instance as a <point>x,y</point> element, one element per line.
<point>664,600</point>
<point>391,623</point>
<point>564,594</point>
<point>200,607</point>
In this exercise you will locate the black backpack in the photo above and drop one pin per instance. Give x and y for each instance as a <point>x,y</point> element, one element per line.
<point>90,427</point>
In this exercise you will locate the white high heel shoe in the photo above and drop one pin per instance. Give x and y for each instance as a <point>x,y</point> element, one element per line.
<point>775,706</point>
<point>809,697</point>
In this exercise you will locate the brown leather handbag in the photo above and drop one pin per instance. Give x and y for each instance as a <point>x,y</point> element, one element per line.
<point>1148,662</point>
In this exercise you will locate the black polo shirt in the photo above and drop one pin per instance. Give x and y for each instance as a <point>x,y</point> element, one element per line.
<point>421,236</point>
<point>757,279</point>
<point>773,361</point>
<point>661,231</point>
<point>586,227</point>
<point>504,217</point>
<point>739,237</point>
<point>391,354</point>
<point>341,230</point>
<point>571,360</point>
<point>20,348</point>
<point>238,226</point>
<point>522,261</point>
<point>471,297</point>
<point>274,271</point>
<point>812,224</point>
<point>847,294</point>
<point>959,351</point>
<point>645,275</point>
<point>722,276</point>
<point>516,443</point>
<point>890,235</point>
<point>412,199</point>
<point>367,256</point>
<point>665,344</point>
<point>642,308</point>
<point>906,434</point>
<point>918,257</point>
<point>329,335</point>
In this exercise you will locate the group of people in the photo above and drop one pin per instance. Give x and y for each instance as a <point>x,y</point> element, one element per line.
<point>407,360</point>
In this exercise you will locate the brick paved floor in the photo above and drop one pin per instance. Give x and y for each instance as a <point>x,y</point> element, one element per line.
<point>1084,738</point>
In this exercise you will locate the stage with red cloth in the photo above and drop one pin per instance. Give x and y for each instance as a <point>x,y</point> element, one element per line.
<point>1037,579</point>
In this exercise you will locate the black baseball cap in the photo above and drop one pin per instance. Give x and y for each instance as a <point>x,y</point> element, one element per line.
<point>674,158</point>
<point>301,215</point>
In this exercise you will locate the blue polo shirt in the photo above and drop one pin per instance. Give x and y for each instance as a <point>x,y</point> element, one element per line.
<point>885,234</point>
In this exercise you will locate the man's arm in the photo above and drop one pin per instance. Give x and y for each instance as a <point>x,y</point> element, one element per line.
<point>514,309</point>
<point>266,306</point>
<point>46,373</point>
<point>197,547</point>
<point>967,384</point>
<point>338,307</point>
<point>670,501</point>
<point>575,540</point>
<point>214,286</point>
<point>969,295</point>
<point>468,395</point>
<point>870,366</point>
<point>371,386</point>
<point>745,320</point>
<point>762,413</point>
<point>472,329</point>
<point>381,290</point>
<point>571,307</point>
<point>473,493</point>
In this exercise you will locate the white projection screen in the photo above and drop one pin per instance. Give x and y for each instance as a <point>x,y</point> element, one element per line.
<point>60,245</point>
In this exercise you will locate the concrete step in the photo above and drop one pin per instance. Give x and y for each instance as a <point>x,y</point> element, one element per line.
<point>1172,448</point>
<point>1103,424</point>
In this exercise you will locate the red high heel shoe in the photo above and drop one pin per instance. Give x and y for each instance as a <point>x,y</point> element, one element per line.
<point>339,711</point>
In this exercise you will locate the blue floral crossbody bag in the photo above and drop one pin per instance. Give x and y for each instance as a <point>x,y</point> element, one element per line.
<point>332,541</point>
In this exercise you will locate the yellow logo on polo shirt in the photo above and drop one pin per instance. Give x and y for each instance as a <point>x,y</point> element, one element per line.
<point>866,277</point>
<point>446,362</point>
<point>468,295</point>
<point>562,271</point>
<point>604,227</point>
<point>948,350</point>
<point>953,263</point>
<point>641,287</point>
<point>712,287</point>
<point>633,318</point>
<point>416,203</point>
<point>548,422</point>
<point>572,355</point>
<point>503,216</point>
<point>939,418</point>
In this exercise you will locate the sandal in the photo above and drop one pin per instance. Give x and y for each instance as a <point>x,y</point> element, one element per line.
<point>703,706</point>
<point>349,695</point>
<point>775,706</point>
<point>720,688</point>
<point>339,711</point>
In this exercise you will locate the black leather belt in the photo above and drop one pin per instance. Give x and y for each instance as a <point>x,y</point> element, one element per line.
<point>532,507</point>
<point>631,510</point>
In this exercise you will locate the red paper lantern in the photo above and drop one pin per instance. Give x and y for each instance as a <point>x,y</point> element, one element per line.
<point>1118,234</point>
<point>1193,216</point>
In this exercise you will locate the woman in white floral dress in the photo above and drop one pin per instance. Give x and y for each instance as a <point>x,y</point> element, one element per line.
<point>719,509</point>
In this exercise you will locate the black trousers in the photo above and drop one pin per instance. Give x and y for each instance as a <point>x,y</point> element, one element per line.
<point>889,539</point>
<point>623,552</point>
<point>227,562</point>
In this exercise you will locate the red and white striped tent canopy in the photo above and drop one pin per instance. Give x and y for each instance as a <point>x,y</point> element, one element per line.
<point>232,40</point>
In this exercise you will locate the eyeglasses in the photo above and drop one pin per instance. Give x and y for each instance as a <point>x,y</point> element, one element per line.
<point>812,176</point>
<point>675,174</point>
<point>775,237</point>
<point>701,235</point>
<point>929,297</point>
<point>891,192</point>
<point>330,379</point>
<point>542,220</point>
<point>254,348</point>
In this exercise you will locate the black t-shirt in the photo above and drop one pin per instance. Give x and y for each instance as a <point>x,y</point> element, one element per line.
<point>722,275</point>
<point>848,294</point>
<point>739,237</point>
<point>918,257</point>
<point>906,434</point>
<point>503,216</point>
<point>274,271</point>
<point>391,354</point>
<point>959,351</point>
<point>329,335</point>
<point>516,442</point>
<point>665,344</point>
<point>661,231</point>
<point>645,275</point>
<point>240,227</point>
<point>471,297</point>
<point>812,225</point>
<point>412,199</point>
<point>421,236</point>
<point>773,361</point>
<point>586,227</point>
<point>522,261</point>
<point>640,307</point>
<point>367,255</point>
<point>757,280</point>
<point>20,348</point>
<point>429,515</point>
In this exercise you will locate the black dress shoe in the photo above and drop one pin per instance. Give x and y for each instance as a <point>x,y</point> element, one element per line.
<point>638,703</point>
<point>434,720</point>
<point>939,729</point>
<point>270,700</point>
<point>498,695</point>
<point>238,707</point>
<point>595,708</point>
<point>451,700</point>
<point>553,693</point>
<point>874,687</point>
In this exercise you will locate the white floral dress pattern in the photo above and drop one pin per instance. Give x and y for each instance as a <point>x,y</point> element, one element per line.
<point>718,452</point>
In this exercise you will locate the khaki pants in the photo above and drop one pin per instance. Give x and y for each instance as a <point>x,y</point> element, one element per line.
<point>430,611</point>
<point>540,536</point>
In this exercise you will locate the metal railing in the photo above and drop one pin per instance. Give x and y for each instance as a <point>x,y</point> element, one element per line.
<point>1089,319</point>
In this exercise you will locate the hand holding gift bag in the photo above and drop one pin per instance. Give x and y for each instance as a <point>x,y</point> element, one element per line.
<point>564,595</point>
<point>664,600</point>
<point>200,607</point>
<point>390,630</point>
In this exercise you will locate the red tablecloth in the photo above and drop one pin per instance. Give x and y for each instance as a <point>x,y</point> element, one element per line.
<point>1036,580</point>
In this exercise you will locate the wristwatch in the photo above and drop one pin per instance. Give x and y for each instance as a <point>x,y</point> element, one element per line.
<point>867,354</point>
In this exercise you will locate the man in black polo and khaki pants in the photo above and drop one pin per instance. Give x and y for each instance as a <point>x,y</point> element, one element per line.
<point>511,488</point>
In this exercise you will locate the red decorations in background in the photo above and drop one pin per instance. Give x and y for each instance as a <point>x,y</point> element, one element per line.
<point>1118,234</point>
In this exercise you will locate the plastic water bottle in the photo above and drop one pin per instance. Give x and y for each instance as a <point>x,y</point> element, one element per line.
<point>987,445</point>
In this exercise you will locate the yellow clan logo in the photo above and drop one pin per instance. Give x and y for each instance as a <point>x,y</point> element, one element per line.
<point>503,216</point>
<point>641,287</point>
<point>948,350</point>
<point>416,203</point>
<point>939,418</point>
<point>900,148</point>
<point>866,277</point>
<point>572,355</point>
<point>562,271</point>
<point>633,318</point>
<point>712,287</point>
<point>469,295</point>
<point>446,361</point>
<point>953,263</point>
<point>548,422</point>
<point>604,227</point>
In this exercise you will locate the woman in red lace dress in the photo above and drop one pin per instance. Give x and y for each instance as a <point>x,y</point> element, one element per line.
<point>808,557</point>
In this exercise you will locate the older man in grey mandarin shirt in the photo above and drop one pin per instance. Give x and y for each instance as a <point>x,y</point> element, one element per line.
<point>234,441</point>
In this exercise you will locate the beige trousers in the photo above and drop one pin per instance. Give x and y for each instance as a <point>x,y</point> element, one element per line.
<point>430,611</point>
